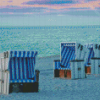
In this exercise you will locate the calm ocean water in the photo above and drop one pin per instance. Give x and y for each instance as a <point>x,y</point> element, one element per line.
<point>46,40</point>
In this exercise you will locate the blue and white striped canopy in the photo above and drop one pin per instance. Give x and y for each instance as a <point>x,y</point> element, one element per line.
<point>23,53</point>
<point>67,54</point>
<point>21,66</point>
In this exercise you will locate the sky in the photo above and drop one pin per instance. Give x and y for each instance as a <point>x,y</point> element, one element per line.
<point>49,12</point>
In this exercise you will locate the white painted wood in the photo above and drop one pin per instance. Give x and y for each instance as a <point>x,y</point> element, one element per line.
<point>86,54</point>
<point>79,71</point>
<point>4,74</point>
<point>77,51</point>
<point>0,80</point>
<point>7,64</point>
<point>7,85</point>
<point>0,86</point>
<point>96,66</point>
<point>1,56</point>
<point>5,82</point>
<point>96,50</point>
<point>82,53</point>
<point>82,70</point>
<point>76,70</point>
<point>95,69</point>
<point>72,70</point>
<point>2,63</point>
<point>92,66</point>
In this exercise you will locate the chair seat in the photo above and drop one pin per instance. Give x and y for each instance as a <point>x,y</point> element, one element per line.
<point>22,81</point>
<point>63,68</point>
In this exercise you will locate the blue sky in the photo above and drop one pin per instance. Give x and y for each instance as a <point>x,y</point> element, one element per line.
<point>49,12</point>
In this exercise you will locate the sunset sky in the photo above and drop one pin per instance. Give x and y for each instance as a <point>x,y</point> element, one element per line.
<point>49,12</point>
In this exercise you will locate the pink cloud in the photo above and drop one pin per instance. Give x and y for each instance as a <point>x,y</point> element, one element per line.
<point>92,4</point>
<point>17,13</point>
<point>21,4</point>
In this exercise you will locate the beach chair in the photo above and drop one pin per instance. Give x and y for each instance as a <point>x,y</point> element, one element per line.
<point>68,52</point>
<point>91,53</point>
<point>77,69</point>
<point>73,51</point>
<point>17,72</point>
<point>95,61</point>
<point>87,58</point>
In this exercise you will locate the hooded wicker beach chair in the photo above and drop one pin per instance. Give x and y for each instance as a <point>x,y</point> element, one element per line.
<point>17,72</point>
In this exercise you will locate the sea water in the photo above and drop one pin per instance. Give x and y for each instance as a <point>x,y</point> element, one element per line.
<point>46,39</point>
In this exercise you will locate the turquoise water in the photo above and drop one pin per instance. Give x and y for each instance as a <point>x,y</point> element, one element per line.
<point>46,40</point>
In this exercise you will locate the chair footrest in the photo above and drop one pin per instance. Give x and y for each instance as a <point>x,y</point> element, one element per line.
<point>24,87</point>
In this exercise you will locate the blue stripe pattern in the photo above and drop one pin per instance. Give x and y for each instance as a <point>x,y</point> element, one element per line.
<point>57,64</point>
<point>21,66</point>
<point>67,54</point>
<point>69,58</point>
<point>91,52</point>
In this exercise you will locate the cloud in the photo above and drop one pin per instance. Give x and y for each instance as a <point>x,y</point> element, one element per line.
<point>47,6</point>
<point>51,2</point>
<point>21,10</point>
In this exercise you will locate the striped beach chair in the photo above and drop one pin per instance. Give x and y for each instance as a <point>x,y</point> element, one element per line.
<point>90,54</point>
<point>74,51</point>
<point>69,51</point>
<point>95,60</point>
<point>21,68</point>
<point>87,58</point>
